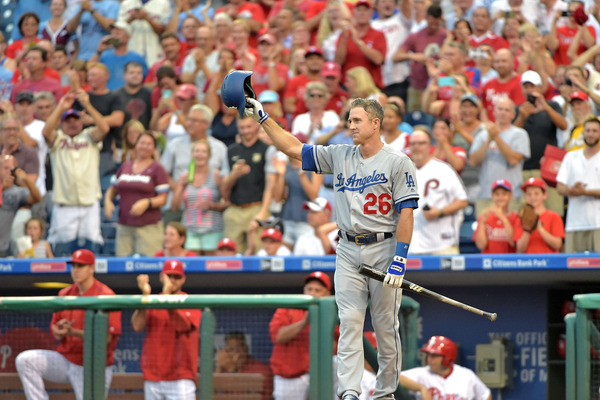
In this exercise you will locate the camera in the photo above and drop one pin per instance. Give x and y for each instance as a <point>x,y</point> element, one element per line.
<point>509,14</point>
<point>531,98</point>
<point>566,13</point>
<point>113,42</point>
<point>568,82</point>
<point>13,171</point>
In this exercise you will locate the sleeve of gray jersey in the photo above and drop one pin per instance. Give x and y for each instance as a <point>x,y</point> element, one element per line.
<point>404,181</point>
<point>320,158</point>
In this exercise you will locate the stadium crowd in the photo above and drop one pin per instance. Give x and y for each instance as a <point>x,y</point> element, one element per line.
<point>113,127</point>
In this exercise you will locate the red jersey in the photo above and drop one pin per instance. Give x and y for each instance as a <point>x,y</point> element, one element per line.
<point>49,72</point>
<point>251,11</point>
<point>565,36</point>
<point>71,347</point>
<point>355,58</point>
<point>16,47</point>
<point>489,38</point>
<point>260,77</point>
<point>553,223</point>
<point>151,77</point>
<point>496,234</point>
<point>295,88</point>
<point>290,359</point>
<point>256,367</point>
<point>171,345</point>
<point>493,90</point>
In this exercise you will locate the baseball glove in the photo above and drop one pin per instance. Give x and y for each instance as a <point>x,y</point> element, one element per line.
<point>529,218</point>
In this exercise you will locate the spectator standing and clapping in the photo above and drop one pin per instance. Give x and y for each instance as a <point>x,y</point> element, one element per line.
<point>203,61</point>
<point>174,241</point>
<point>547,235</point>
<point>497,225</point>
<point>296,86</point>
<point>235,358</point>
<point>55,29</point>
<point>17,191</point>
<point>172,123</point>
<point>172,57</point>
<point>501,150</point>
<point>289,330</point>
<point>223,24</point>
<point>11,130</point>
<point>91,21</point>
<point>507,84</point>
<point>36,63</point>
<point>199,192</point>
<point>269,72</point>
<point>143,185</point>
<point>562,34</point>
<point>65,364</point>
<point>579,179</point>
<point>437,223</point>
<point>331,24</point>
<point>170,352</point>
<point>456,156</point>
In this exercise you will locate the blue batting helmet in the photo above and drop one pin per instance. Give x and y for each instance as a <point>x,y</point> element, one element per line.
<point>236,86</point>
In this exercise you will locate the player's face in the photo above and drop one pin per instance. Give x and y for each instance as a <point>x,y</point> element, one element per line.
<point>535,196</point>
<point>361,127</point>
<point>81,274</point>
<point>316,289</point>
<point>434,361</point>
<point>501,197</point>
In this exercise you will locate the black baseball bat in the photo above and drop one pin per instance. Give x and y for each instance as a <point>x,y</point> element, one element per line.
<point>371,272</point>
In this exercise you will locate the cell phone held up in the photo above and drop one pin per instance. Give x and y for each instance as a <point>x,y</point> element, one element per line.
<point>531,98</point>
<point>113,42</point>
<point>566,13</point>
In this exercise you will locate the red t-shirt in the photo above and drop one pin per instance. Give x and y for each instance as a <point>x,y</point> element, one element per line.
<point>49,72</point>
<point>496,234</point>
<point>553,223</point>
<point>335,103</point>
<point>71,347</point>
<point>489,38</point>
<point>250,11</point>
<point>295,88</point>
<point>355,58</point>
<point>260,77</point>
<point>170,350</point>
<point>189,253</point>
<point>44,84</point>
<point>14,49</point>
<point>417,43</point>
<point>493,90</point>
<point>133,187</point>
<point>151,77</point>
<point>565,36</point>
<point>290,359</point>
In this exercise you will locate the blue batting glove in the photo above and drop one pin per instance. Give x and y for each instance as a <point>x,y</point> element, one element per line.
<point>395,272</point>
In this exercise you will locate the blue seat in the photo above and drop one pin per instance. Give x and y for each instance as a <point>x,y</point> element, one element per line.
<point>109,230</point>
<point>109,247</point>
<point>466,243</point>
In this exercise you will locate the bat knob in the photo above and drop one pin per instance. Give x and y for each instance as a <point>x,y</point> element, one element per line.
<point>493,317</point>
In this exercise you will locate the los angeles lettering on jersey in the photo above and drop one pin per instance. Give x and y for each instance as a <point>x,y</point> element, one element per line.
<point>353,183</point>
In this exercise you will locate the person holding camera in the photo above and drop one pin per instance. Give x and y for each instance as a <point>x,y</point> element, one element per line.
<point>540,118</point>
<point>562,34</point>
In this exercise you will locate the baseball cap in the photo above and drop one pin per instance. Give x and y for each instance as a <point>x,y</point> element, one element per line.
<point>70,113</point>
<point>503,183</point>
<point>268,96</point>
<point>25,95</point>
<point>272,233</point>
<point>227,243</point>
<point>82,256</point>
<point>363,3</point>
<point>538,182</point>
<point>370,335</point>
<point>321,277</point>
<point>123,26</point>
<point>532,77</point>
<point>579,95</point>
<point>187,91</point>
<point>313,50</point>
<point>267,37</point>
<point>331,69</point>
<point>173,267</point>
<point>470,97</point>
<point>319,204</point>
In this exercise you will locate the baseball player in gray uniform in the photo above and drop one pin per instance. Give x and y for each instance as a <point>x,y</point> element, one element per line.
<point>375,194</point>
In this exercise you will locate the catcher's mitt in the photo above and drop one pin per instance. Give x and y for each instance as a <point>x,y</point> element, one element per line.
<point>529,218</point>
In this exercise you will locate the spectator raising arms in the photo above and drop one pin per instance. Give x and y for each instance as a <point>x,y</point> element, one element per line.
<point>143,185</point>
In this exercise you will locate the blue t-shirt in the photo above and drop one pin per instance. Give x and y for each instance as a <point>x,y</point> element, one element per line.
<point>116,66</point>
<point>90,32</point>
<point>41,8</point>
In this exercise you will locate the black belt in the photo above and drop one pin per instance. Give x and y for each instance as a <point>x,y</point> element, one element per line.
<point>366,238</point>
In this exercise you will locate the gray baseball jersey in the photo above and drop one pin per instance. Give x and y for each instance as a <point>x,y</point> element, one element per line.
<point>366,194</point>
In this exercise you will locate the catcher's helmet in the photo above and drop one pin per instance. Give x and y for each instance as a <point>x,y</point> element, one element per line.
<point>234,89</point>
<point>442,346</point>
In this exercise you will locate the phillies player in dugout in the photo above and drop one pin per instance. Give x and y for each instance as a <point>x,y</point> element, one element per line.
<point>170,352</point>
<point>375,195</point>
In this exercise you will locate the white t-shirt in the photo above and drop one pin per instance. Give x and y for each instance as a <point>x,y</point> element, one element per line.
<point>400,143</point>
<point>396,30</point>
<point>189,66</point>
<point>462,383</point>
<point>301,124</point>
<point>576,168</point>
<point>34,130</point>
<point>282,251</point>
<point>308,244</point>
<point>438,186</point>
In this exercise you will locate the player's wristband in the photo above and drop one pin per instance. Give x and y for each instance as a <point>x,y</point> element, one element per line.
<point>402,249</point>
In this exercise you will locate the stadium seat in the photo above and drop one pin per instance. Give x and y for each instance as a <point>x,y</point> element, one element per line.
<point>109,247</point>
<point>466,244</point>
<point>109,230</point>
<point>419,118</point>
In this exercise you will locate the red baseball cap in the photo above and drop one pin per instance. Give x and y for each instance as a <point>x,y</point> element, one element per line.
<point>319,204</point>
<point>503,183</point>
<point>267,37</point>
<point>538,182</point>
<point>321,277</point>
<point>187,91</point>
<point>173,267</point>
<point>83,257</point>
<point>331,69</point>
<point>227,243</point>
<point>272,233</point>
<point>363,3</point>
<point>579,95</point>
<point>313,50</point>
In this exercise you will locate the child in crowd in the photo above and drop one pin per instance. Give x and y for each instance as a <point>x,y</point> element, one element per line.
<point>496,225</point>
<point>548,235</point>
<point>40,248</point>
<point>272,244</point>
<point>226,248</point>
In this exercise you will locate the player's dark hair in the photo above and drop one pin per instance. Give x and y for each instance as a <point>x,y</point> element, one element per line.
<point>434,11</point>
<point>371,107</point>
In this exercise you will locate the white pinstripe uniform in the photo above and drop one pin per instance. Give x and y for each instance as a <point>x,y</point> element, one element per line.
<point>461,384</point>
<point>367,192</point>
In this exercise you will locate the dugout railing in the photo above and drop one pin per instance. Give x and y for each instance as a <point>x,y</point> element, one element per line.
<point>322,315</point>
<point>583,348</point>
